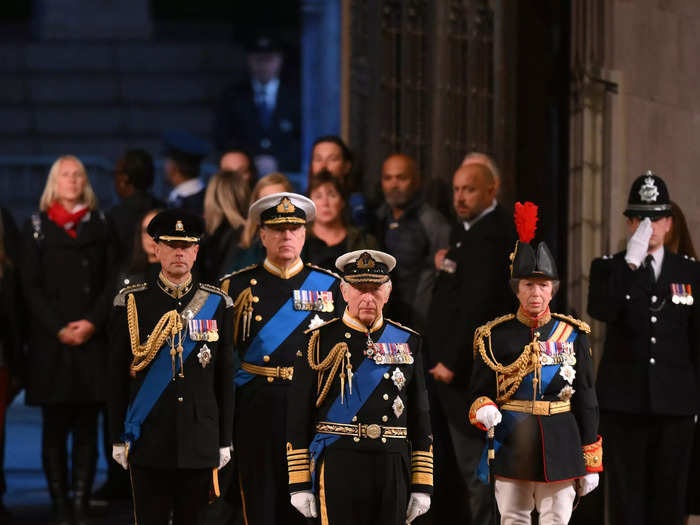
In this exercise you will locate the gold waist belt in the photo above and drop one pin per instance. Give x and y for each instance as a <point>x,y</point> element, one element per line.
<point>537,408</point>
<point>361,431</point>
<point>272,372</point>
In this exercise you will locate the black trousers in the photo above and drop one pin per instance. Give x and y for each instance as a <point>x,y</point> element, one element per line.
<point>158,492</point>
<point>646,461</point>
<point>261,454</point>
<point>362,488</point>
<point>58,422</point>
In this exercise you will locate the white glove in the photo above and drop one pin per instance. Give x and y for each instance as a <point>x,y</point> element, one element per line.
<point>224,456</point>
<point>489,416</point>
<point>638,245</point>
<point>417,505</point>
<point>119,455</point>
<point>587,483</point>
<point>305,502</point>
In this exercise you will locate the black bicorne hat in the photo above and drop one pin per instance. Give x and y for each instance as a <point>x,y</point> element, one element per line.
<point>176,225</point>
<point>648,198</point>
<point>526,261</point>
<point>365,266</point>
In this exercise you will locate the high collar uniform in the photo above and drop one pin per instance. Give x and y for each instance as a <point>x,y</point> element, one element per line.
<point>375,489</point>
<point>272,310</point>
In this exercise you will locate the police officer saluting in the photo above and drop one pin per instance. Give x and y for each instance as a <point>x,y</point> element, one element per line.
<point>171,372</point>
<point>647,379</point>
<point>274,303</point>
<point>360,408</point>
<point>533,380</point>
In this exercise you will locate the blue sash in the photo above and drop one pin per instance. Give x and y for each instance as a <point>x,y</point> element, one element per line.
<point>159,374</point>
<point>510,420</point>
<point>280,326</point>
<point>365,380</point>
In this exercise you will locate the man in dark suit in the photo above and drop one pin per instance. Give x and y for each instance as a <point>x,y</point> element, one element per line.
<point>647,379</point>
<point>262,113</point>
<point>183,157</point>
<point>471,288</point>
<point>171,375</point>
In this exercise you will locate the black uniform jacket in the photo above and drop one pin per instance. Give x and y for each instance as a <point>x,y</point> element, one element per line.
<point>539,448</point>
<point>380,408</point>
<point>652,344</point>
<point>193,417</point>
<point>268,290</point>
<point>475,293</point>
<point>66,279</point>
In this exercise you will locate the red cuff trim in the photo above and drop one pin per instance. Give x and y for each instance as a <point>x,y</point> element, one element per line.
<point>593,456</point>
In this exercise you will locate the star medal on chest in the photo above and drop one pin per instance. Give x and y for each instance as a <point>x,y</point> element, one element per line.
<point>204,355</point>
<point>313,300</point>
<point>398,406</point>
<point>203,330</point>
<point>398,378</point>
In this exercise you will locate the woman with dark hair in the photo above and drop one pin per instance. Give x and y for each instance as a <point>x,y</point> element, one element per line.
<point>678,239</point>
<point>330,153</point>
<point>68,281</point>
<point>240,161</point>
<point>330,235</point>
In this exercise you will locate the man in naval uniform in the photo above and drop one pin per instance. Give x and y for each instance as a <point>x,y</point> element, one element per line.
<point>360,410</point>
<point>533,381</point>
<point>171,375</point>
<point>274,303</point>
<point>647,379</point>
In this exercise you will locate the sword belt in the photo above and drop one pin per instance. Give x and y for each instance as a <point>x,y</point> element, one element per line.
<point>360,430</point>
<point>537,408</point>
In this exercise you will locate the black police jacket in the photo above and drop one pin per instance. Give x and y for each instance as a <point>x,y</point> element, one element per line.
<point>193,417</point>
<point>652,344</point>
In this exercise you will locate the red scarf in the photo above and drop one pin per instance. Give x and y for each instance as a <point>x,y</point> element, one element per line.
<point>66,219</point>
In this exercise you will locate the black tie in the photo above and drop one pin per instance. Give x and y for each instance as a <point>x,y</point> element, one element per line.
<point>649,269</point>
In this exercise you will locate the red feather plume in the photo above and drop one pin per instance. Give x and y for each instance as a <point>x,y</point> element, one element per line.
<point>526,220</point>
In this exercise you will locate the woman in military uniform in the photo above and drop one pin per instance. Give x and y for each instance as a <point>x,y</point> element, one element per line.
<point>541,401</point>
<point>359,447</point>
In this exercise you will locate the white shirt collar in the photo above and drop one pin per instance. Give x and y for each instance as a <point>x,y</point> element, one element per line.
<point>469,224</point>
<point>186,189</point>
<point>268,92</point>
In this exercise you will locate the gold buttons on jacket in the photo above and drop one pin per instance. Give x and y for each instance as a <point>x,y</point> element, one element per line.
<point>347,335</point>
<point>385,418</point>
<point>266,358</point>
<point>383,440</point>
<point>258,318</point>
<point>354,418</point>
<point>356,439</point>
<point>385,396</point>
<point>256,299</point>
<point>386,376</point>
<point>270,379</point>
<point>253,282</point>
<point>180,400</point>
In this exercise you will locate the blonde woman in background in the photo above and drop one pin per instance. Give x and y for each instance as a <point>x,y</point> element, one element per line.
<point>67,276</point>
<point>225,207</point>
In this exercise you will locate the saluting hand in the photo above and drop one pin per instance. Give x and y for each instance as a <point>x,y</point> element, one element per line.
<point>441,373</point>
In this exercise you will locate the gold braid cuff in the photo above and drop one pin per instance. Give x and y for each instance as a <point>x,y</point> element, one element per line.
<point>298,465</point>
<point>333,361</point>
<point>242,310</point>
<point>593,456</point>
<point>422,467</point>
<point>169,326</point>
<point>509,377</point>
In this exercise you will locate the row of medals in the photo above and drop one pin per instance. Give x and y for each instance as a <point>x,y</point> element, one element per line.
<point>374,352</point>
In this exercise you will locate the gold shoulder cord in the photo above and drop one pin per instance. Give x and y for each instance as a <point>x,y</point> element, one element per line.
<point>333,360</point>
<point>169,326</point>
<point>242,308</point>
<point>509,376</point>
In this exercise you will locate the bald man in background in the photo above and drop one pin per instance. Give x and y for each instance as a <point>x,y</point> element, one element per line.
<point>412,231</point>
<point>471,288</point>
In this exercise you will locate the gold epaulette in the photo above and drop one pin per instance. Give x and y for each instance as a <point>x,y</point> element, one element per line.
<point>485,330</point>
<point>581,325</point>
<point>402,326</point>
<point>309,330</point>
<point>218,291</point>
<point>324,270</point>
<point>120,298</point>
<point>225,281</point>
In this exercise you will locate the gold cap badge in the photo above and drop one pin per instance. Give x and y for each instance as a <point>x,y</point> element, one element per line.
<point>285,206</point>
<point>365,261</point>
<point>179,226</point>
